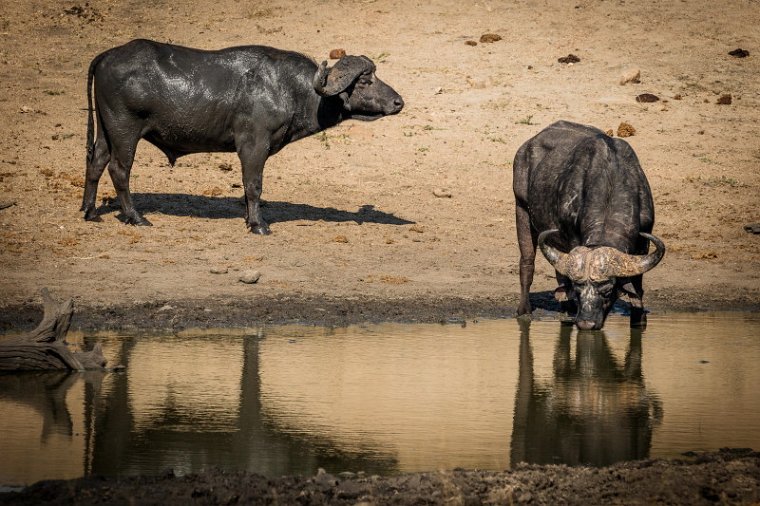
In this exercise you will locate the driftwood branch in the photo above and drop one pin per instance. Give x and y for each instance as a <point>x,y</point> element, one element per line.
<point>45,347</point>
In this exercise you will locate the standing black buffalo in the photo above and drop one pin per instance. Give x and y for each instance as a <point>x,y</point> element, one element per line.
<point>583,197</point>
<point>252,100</point>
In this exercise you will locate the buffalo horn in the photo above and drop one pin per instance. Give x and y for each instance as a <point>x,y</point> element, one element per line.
<point>635,265</point>
<point>329,82</point>
<point>553,255</point>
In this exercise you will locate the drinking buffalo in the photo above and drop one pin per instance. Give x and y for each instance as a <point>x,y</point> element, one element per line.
<point>251,99</point>
<point>583,198</point>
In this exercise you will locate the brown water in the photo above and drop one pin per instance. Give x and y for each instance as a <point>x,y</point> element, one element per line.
<point>389,398</point>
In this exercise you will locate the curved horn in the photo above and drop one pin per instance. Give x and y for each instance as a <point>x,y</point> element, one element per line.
<point>329,82</point>
<point>627,266</point>
<point>553,255</point>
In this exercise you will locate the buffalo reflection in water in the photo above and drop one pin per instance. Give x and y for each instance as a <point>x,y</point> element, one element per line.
<point>594,410</point>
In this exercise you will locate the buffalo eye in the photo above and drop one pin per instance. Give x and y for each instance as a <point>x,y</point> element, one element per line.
<point>605,288</point>
<point>365,81</point>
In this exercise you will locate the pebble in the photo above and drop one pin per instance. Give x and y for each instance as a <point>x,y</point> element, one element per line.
<point>724,99</point>
<point>337,53</point>
<point>219,269</point>
<point>630,76</point>
<point>571,58</point>
<point>489,38</point>
<point>647,98</point>
<point>625,130</point>
<point>441,193</point>
<point>250,277</point>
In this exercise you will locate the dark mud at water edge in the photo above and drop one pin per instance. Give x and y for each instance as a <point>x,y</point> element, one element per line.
<point>335,311</point>
<point>725,477</point>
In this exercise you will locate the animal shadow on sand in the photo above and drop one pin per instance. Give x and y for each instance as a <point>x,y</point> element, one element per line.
<point>199,206</point>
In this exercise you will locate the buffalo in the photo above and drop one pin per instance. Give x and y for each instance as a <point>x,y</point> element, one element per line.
<point>582,197</point>
<point>252,100</point>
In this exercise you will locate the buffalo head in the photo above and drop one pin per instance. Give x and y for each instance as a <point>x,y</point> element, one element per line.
<point>364,95</point>
<point>595,274</point>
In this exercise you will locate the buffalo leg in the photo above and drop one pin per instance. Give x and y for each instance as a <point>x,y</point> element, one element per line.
<point>119,169</point>
<point>526,240</point>
<point>252,158</point>
<point>95,166</point>
<point>638,313</point>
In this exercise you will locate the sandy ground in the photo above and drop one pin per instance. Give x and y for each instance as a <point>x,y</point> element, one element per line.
<point>353,213</point>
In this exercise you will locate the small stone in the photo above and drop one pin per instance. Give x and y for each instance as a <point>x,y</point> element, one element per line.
<point>647,98</point>
<point>489,38</point>
<point>165,307</point>
<point>630,76</point>
<point>739,53</point>
<point>471,43</point>
<point>337,54</point>
<point>225,166</point>
<point>610,132</point>
<point>442,193</point>
<point>250,277</point>
<point>571,58</point>
<point>724,99</point>
<point>625,130</point>
<point>219,269</point>
<point>678,97</point>
<point>342,239</point>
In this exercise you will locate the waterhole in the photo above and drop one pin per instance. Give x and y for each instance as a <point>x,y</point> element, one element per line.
<point>388,398</point>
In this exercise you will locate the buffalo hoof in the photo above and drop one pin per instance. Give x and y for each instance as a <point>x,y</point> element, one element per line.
<point>138,221</point>
<point>92,217</point>
<point>260,230</point>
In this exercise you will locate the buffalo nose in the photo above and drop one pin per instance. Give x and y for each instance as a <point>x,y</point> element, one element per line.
<point>399,103</point>
<point>585,324</point>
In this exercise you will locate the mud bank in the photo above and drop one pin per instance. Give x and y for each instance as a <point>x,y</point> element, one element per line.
<point>730,476</point>
<point>340,311</point>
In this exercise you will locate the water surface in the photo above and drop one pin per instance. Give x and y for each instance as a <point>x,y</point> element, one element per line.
<point>389,398</point>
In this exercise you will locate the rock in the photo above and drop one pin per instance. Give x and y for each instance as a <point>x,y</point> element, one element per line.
<point>165,307</point>
<point>630,76</point>
<point>609,132</point>
<point>4,204</point>
<point>340,239</point>
<point>647,98</point>
<point>219,269</point>
<point>739,53</point>
<point>471,43</point>
<point>225,166</point>
<point>753,228</point>
<point>571,58</point>
<point>337,54</point>
<point>625,130</point>
<point>489,38</point>
<point>724,99</point>
<point>441,193</point>
<point>250,277</point>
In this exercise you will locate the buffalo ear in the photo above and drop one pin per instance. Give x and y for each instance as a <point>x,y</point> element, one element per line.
<point>329,82</point>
